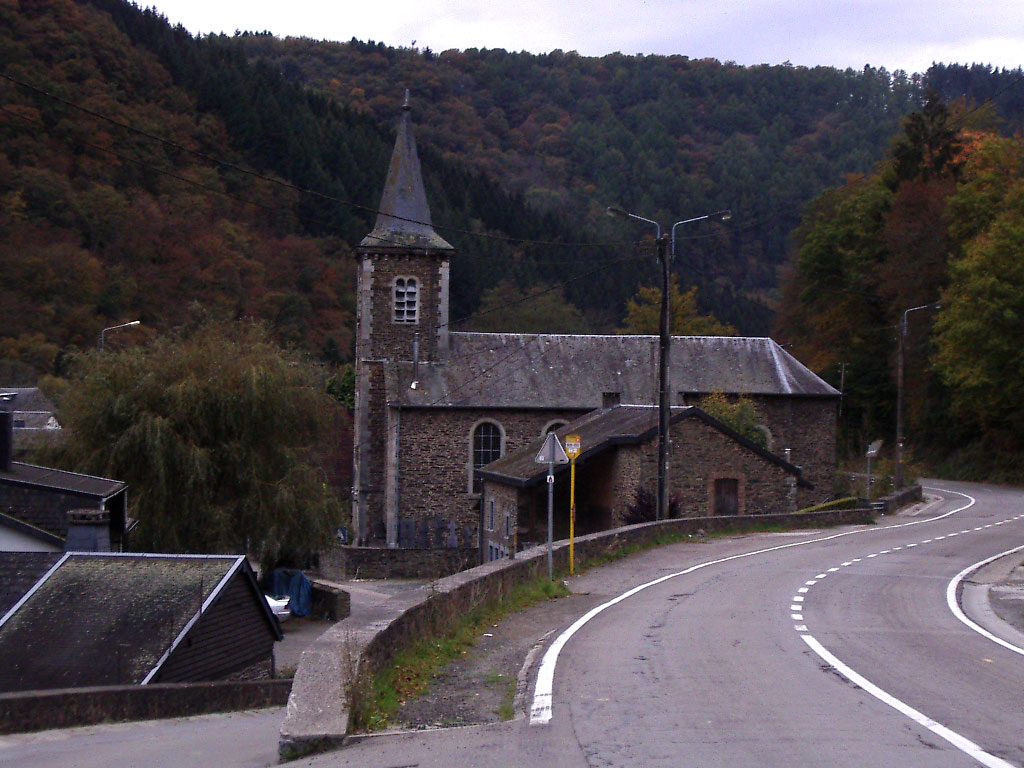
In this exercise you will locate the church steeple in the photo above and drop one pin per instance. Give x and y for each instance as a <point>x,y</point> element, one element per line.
<point>404,218</point>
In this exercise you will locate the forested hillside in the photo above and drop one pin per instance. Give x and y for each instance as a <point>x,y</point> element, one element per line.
<point>145,172</point>
<point>929,246</point>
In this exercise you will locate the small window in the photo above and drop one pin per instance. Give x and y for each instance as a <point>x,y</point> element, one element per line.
<point>406,299</point>
<point>508,524</point>
<point>490,525</point>
<point>486,448</point>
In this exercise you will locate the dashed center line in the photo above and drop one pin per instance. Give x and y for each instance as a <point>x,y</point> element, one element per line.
<point>960,742</point>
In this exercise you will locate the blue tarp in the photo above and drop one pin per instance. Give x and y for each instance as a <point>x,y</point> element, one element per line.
<point>294,584</point>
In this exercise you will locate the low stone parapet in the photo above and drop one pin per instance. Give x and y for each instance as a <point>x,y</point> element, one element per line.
<point>41,710</point>
<point>347,656</point>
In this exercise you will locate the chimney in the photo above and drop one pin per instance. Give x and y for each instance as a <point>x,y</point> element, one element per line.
<point>88,531</point>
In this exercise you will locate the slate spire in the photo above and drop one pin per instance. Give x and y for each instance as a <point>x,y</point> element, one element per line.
<point>403,220</point>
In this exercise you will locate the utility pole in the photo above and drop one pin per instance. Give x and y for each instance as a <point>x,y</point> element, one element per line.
<point>900,364</point>
<point>664,350</point>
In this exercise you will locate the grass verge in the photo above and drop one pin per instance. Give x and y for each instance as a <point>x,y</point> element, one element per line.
<point>412,669</point>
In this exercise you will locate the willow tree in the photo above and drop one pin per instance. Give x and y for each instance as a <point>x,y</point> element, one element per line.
<point>217,433</point>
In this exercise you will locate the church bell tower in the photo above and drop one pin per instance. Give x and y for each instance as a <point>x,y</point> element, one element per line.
<point>401,311</point>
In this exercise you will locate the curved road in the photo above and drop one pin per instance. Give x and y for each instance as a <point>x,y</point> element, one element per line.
<point>822,648</point>
<point>717,665</point>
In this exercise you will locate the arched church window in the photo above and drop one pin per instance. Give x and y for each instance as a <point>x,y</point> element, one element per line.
<point>406,292</point>
<point>486,448</point>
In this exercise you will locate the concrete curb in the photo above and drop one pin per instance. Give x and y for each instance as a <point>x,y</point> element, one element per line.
<point>349,655</point>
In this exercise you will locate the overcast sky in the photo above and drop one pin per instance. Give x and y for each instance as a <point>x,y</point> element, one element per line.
<point>840,33</point>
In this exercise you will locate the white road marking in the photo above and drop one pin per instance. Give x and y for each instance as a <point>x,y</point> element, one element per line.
<point>965,745</point>
<point>960,742</point>
<point>798,598</point>
<point>541,709</point>
<point>797,617</point>
<point>803,590</point>
<point>954,606</point>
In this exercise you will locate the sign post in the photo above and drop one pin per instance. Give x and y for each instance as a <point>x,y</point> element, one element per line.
<point>873,450</point>
<point>572,450</point>
<point>551,453</point>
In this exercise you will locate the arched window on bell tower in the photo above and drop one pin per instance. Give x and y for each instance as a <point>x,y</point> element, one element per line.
<point>405,295</point>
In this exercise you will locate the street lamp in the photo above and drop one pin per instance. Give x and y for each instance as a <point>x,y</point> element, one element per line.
<point>900,355</point>
<point>664,342</point>
<point>114,328</point>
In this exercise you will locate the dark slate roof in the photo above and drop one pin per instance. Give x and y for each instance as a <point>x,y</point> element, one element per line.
<point>34,417</point>
<point>88,486</point>
<point>404,220</point>
<point>522,370</point>
<point>29,399</point>
<point>19,571</point>
<point>109,618</point>
<point>601,430</point>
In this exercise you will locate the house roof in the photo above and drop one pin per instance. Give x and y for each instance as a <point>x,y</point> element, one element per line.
<point>89,486</point>
<point>53,518</point>
<point>403,220</point>
<point>523,370</point>
<point>29,399</point>
<point>110,618</point>
<point>35,532</point>
<point>603,429</point>
<point>19,571</point>
<point>34,417</point>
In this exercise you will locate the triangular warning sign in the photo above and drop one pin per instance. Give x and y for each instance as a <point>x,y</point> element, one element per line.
<point>552,452</point>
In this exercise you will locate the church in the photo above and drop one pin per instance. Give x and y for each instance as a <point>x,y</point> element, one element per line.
<point>435,408</point>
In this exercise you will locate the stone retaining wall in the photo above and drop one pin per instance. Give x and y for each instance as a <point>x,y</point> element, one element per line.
<point>395,562</point>
<point>42,710</point>
<point>346,658</point>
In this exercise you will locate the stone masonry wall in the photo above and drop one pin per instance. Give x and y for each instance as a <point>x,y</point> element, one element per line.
<point>807,426</point>
<point>700,454</point>
<point>435,457</point>
<point>505,501</point>
<point>394,341</point>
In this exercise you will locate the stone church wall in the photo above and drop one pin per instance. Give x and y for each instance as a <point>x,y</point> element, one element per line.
<point>435,457</point>
<point>807,426</point>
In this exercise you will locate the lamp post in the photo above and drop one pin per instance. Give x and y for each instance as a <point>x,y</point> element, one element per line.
<point>664,343</point>
<point>900,355</point>
<point>114,328</point>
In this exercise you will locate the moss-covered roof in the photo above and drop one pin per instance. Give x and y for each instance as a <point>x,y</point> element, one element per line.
<point>104,619</point>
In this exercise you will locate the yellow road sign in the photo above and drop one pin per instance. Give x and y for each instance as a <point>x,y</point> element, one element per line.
<point>572,446</point>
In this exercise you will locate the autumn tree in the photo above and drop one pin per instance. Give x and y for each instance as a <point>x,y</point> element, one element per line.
<point>979,328</point>
<point>217,432</point>
<point>739,414</point>
<point>643,313</point>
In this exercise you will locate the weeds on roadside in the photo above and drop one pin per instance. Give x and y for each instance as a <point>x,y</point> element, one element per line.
<point>411,670</point>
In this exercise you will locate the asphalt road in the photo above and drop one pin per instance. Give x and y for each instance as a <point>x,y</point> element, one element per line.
<point>825,648</point>
<point>715,666</point>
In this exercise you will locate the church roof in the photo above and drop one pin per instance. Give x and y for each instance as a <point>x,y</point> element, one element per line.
<point>403,220</point>
<point>523,370</point>
<point>603,429</point>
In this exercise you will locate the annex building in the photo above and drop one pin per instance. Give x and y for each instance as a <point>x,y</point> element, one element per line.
<point>436,409</point>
